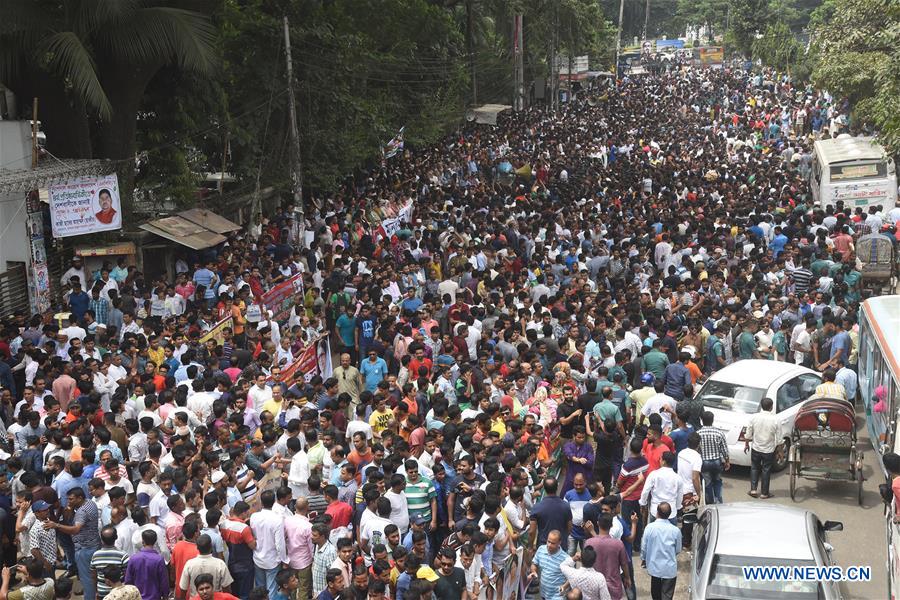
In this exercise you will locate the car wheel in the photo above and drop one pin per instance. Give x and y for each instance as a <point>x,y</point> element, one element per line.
<point>782,453</point>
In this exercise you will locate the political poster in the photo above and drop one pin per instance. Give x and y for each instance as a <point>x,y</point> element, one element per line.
<point>85,205</point>
<point>280,299</point>
<point>216,333</point>
<point>314,359</point>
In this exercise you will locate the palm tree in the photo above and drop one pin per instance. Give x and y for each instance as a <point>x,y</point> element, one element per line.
<point>90,61</point>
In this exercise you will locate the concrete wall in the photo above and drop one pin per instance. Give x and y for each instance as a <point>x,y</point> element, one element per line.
<point>15,153</point>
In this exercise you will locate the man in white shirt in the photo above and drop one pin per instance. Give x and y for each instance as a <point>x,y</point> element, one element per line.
<point>201,403</point>
<point>762,438</point>
<point>660,403</point>
<point>399,506</point>
<point>690,463</point>
<point>270,552</point>
<point>259,394</point>
<point>372,532</point>
<point>663,485</point>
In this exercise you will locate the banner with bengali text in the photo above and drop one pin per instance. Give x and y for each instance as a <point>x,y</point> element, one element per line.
<point>85,205</point>
<point>216,333</point>
<point>280,299</point>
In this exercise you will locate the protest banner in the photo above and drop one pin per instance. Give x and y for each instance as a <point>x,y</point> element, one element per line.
<point>216,333</point>
<point>270,481</point>
<point>85,205</point>
<point>314,359</point>
<point>280,299</point>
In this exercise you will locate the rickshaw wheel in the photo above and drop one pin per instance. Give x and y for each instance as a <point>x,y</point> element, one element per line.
<point>859,482</point>
<point>793,479</point>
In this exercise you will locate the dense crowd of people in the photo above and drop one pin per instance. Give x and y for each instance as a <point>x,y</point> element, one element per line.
<point>514,373</point>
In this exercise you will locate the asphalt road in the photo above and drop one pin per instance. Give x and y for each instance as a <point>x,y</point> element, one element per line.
<point>862,542</point>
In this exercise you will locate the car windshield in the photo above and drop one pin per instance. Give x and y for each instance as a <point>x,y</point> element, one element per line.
<point>731,397</point>
<point>727,580</point>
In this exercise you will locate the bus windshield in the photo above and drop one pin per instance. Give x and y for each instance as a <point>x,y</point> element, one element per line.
<point>858,171</point>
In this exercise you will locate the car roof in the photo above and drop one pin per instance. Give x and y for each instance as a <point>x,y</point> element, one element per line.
<point>763,530</point>
<point>753,372</point>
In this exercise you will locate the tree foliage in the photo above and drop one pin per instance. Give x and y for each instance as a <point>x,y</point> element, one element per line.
<point>857,49</point>
<point>194,86</point>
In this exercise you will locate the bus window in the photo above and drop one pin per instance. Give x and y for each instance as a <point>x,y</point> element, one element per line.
<point>850,172</point>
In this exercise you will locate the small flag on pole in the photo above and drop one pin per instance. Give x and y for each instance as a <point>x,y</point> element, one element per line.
<point>395,146</point>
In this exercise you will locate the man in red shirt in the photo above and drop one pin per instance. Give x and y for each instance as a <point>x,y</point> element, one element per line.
<point>419,360</point>
<point>204,585</point>
<point>185,549</point>
<point>654,446</point>
<point>361,454</point>
<point>340,512</point>
<point>458,311</point>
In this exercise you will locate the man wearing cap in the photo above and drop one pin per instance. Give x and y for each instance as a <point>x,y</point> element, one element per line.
<point>43,539</point>
<point>76,270</point>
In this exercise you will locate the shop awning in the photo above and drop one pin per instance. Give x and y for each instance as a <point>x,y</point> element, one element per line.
<point>196,228</point>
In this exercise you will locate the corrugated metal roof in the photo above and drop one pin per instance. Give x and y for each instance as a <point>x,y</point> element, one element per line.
<point>210,220</point>
<point>849,149</point>
<point>196,228</point>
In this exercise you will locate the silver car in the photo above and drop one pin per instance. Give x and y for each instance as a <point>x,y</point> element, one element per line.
<point>728,537</point>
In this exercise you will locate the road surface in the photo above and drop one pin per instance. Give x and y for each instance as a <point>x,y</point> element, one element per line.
<point>862,542</point>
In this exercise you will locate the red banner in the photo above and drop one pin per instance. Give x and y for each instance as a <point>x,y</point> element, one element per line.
<point>312,360</point>
<point>280,299</point>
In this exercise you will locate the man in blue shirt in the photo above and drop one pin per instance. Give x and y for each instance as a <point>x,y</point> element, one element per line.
<point>374,370</point>
<point>204,276</point>
<point>840,345</point>
<point>365,330</point>
<point>546,566</point>
<point>660,546</point>
<point>676,376</point>
<point>411,303</point>
<point>778,242</point>
<point>79,302</point>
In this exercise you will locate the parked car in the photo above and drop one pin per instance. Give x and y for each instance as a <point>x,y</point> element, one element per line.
<point>733,395</point>
<point>728,537</point>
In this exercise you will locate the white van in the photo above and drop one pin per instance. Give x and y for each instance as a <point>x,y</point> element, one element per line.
<point>734,393</point>
<point>855,170</point>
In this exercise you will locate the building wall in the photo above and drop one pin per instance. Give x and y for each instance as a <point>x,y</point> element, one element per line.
<point>15,153</point>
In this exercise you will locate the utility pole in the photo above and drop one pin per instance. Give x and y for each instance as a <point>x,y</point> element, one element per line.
<point>296,166</point>
<point>647,21</point>
<point>470,42</point>
<point>553,77</point>
<point>519,66</point>
<point>619,37</point>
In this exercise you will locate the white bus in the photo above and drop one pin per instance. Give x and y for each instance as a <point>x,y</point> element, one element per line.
<point>855,170</point>
<point>879,353</point>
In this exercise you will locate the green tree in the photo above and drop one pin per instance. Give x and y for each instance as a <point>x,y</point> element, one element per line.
<point>90,61</point>
<point>857,48</point>
<point>778,47</point>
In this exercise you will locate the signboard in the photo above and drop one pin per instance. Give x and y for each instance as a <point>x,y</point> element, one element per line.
<point>579,64</point>
<point>216,333</point>
<point>662,45</point>
<point>713,55</point>
<point>85,205</point>
<point>280,299</point>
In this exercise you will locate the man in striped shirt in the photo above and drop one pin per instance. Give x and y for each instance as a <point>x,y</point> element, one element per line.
<point>714,452</point>
<point>421,497</point>
<point>107,556</point>
<point>802,277</point>
<point>829,388</point>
